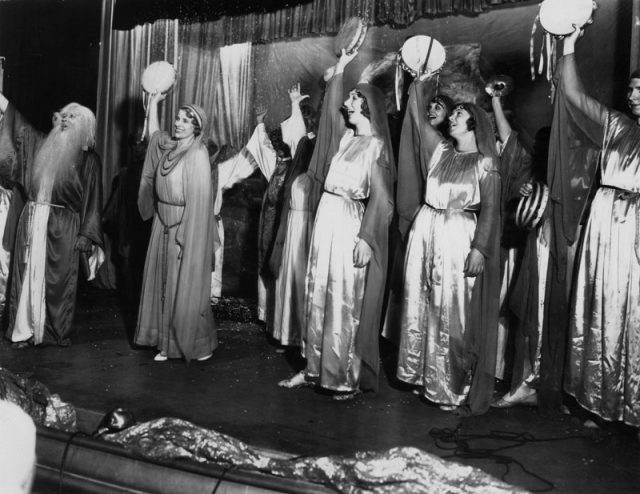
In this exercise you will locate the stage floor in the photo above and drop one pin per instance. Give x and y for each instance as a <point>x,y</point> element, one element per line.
<point>235,393</point>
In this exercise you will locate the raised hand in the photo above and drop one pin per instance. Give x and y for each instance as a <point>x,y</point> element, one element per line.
<point>294,94</point>
<point>261,112</point>
<point>570,40</point>
<point>345,58</point>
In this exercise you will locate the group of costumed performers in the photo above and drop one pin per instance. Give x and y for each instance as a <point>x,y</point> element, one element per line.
<point>327,228</point>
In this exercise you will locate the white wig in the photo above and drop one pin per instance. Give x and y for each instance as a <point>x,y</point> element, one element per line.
<point>87,122</point>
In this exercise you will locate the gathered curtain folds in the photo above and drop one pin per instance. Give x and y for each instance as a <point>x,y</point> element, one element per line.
<point>308,18</point>
<point>218,78</point>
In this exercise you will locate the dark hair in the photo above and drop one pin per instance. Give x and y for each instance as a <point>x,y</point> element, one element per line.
<point>194,120</point>
<point>364,108</point>
<point>444,101</point>
<point>635,74</point>
<point>281,148</point>
<point>471,121</point>
<point>310,116</point>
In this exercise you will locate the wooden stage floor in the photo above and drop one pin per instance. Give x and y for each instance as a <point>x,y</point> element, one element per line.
<point>235,393</point>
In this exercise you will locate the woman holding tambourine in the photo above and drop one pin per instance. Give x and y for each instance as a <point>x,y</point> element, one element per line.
<point>604,340</point>
<point>451,288</point>
<point>175,313</point>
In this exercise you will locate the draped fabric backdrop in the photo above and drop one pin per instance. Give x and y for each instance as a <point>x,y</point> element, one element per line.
<point>218,79</point>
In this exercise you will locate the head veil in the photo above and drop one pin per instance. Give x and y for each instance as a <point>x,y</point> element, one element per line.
<point>201,117</point>
<point>485,135</point>
<point>379,122</point>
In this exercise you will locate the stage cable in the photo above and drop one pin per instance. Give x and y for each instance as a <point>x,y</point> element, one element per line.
<point>65,453</point>
<point>452,440</point>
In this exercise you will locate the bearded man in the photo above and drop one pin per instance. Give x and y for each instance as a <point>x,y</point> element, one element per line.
<point>60,175</point>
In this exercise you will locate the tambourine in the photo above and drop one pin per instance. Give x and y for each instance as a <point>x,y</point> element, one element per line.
<point>557,17</point>
<point>500,85</point>
<point>531,208</point>
<point>158,77</point>
<point>422,55</point>
<point>351,36</point>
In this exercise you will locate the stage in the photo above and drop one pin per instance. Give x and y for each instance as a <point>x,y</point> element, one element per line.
<point>235,393</point>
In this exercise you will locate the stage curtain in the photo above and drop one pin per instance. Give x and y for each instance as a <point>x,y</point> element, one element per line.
<point>218,79</point>
<point>270,20</point>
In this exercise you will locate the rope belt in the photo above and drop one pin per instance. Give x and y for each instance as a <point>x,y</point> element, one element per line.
<point>44,203</point>
<point>454,210</point>
<point>164,249</point>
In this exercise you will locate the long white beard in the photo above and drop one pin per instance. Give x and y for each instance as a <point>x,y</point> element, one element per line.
<point>55,159</point>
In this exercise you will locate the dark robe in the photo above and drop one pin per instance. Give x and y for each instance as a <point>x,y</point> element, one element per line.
<point>79,194</point>
<point>270,214</point>
<point>573,160</point>
<point>300,164</point>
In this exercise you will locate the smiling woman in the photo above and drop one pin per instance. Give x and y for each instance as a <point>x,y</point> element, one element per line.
<point>449,311</point>
<point>176,188</point>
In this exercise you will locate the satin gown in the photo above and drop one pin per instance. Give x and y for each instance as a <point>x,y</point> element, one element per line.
<point>288,316</point>
<point>604,355</point>
<point>335,287</point>
<point>436,292</point>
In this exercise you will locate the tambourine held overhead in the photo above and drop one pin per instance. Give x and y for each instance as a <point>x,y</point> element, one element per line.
<point>422,54</point>
<point>558,17</point>
<point>351,36</point>
<point>158,77</point>
<point>500,85</point>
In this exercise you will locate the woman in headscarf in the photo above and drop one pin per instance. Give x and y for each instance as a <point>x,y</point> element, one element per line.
<point>348,251</point>
<point>175,312</point>
<point>451,275</point>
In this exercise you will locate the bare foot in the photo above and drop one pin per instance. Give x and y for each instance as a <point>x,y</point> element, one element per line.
<point>297,381</point>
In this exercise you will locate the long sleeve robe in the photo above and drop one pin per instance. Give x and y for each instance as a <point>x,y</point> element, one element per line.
<point>77,200</point>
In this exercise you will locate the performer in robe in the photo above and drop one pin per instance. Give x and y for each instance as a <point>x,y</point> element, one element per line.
<point>270,212</point>
<point>348,252</point>
<point>176,189</point>
<point>515,172</point>
<point>288,260</point>
<point>451,295</point>
<point>437,112</point>
<point>226,172</point>
<point>60,174</point>
<point>604,337</point>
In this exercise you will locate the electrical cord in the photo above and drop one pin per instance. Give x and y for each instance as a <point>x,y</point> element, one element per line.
<point>65,453</point>
<point>459,444</point>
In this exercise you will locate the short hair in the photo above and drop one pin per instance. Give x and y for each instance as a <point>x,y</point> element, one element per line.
<point>310,117</point>
<point>87,121</point>
<point>471,121</point>
<point>364,108</point>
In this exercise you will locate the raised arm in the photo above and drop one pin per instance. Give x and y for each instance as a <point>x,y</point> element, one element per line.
<point>153,120</point>
<point>573,85</point>
<point>293,128</point>
<point>504,128</point>
<point>417,108</point>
